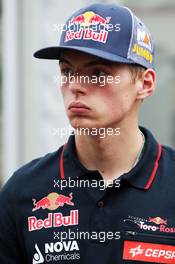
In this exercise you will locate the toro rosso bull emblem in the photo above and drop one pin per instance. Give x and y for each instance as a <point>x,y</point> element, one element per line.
<point>157,220</point>
<point>52,201</point>
<point>82,27</point>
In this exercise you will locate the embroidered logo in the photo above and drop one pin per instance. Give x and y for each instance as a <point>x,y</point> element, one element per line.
<point>88,26</point>
<point>38,257</point>
<point>148,252</point>
<point>52,201</point>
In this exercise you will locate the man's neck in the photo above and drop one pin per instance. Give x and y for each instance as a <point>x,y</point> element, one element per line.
<point>113,155</point>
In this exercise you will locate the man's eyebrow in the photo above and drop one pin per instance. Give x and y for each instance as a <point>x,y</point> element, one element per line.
<point>62,60</point>
<point>91,63</point>
<point>99,62</point>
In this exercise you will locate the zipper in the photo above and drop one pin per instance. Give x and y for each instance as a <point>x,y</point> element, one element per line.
<point>133,233</point>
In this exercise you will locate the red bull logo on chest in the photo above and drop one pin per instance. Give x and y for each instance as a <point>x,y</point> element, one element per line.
<point>88,26</point>
<point>53,221</point>
<point>52,201</point>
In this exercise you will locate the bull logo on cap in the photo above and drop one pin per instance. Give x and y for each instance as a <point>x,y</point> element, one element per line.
<point>89,18</point>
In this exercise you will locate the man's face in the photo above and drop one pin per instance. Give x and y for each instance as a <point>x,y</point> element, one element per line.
<point>98,93</point>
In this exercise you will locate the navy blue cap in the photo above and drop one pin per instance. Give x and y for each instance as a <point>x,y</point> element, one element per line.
<point>107,31</point>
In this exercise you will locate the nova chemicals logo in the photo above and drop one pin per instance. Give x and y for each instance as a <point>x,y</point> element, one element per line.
<point>54,252</point>
<point>38,257</point>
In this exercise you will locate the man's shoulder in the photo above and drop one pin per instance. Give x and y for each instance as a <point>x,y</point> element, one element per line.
<point>38,163</point>
<point>169,152</point>
<point>33,171</point>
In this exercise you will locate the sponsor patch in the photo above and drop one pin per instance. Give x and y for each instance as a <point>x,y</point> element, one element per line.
<point>141,47</point>
<point>142,52</point>
<point>52,201</point>
<point>88,26</point>
<point>55,252</point>
<point>148,252</point>
<point>144,39</point>
<point>154,224</point>
<point>53,220</point>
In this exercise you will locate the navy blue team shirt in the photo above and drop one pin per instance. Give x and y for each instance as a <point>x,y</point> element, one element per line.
<point>130,221</point>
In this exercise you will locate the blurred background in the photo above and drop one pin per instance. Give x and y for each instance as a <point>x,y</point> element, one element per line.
<point>31,107</point>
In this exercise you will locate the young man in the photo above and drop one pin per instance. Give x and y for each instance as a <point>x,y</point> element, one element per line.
<point>55,208</point>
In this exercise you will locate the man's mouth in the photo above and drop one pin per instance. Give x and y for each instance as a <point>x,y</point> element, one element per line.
<point>78,107</point>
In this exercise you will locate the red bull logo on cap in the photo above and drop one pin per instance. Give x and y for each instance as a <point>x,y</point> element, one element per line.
<point>82,27</point>
<point>52,201</point>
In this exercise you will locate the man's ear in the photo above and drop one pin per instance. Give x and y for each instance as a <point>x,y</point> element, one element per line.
<point>147,85</point>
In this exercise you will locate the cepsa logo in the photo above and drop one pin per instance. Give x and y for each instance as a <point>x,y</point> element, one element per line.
<point>88,26</point>
<point>68,250</point>
<point>148,252</point>
<point>51,202</point>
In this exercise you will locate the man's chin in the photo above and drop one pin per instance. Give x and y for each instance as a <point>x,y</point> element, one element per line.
<point>78,126</point>
<point>77,123</point>
<point>87,123</point>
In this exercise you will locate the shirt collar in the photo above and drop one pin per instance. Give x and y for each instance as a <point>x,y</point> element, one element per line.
<point>141,176</point>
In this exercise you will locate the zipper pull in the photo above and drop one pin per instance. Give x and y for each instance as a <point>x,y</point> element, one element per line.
<point>131,233</point>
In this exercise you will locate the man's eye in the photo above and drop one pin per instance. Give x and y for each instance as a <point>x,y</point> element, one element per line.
<point>99,73</point>
<point>67,72</point>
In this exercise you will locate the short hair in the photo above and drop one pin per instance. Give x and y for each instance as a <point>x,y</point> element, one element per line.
<point>136,71</point>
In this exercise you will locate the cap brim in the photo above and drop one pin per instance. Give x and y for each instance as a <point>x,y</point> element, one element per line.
<point>53,53</point>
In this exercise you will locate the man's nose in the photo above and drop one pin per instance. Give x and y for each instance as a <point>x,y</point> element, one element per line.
<point>77,85</point>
